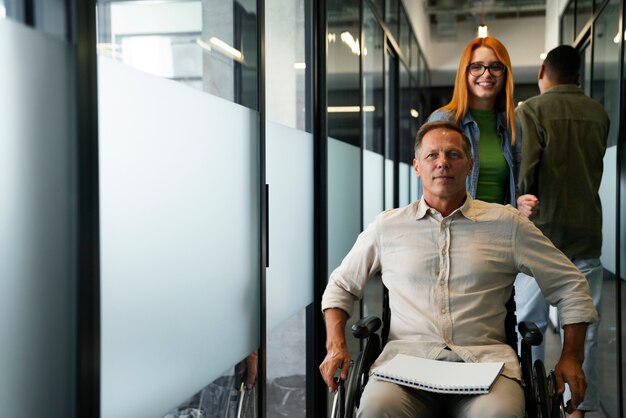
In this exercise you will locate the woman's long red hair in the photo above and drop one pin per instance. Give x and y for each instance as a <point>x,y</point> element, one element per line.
<point>459,105</point>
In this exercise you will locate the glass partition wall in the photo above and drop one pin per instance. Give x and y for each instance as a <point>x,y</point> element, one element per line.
<point>594,28</point>
<point>374,64</point>
<point>180,203</point>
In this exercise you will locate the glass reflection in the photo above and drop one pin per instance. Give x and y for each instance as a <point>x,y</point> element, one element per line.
<point>286,65</point>
<point>232,395</point>
<point>405,36</point>
<point>210,45</point>
<point>605,88</point>
<point>391,17</point>
<point>391,128</point>
<point>584,12</point>
<point>373,94</point>
<point>567,24</point>
<point>343,71</point>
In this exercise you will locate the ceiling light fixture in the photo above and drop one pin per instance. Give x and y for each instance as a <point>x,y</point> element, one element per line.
<point>226,49</point>
<point>352,43</point>
<point>483,32</point>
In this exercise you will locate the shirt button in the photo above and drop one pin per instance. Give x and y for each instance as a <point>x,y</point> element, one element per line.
<point>442,282</point>
<point>443,310</point>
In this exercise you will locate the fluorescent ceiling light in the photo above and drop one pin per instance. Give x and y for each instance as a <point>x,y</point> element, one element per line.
<point>414,113</point>
<point>299,65</point>
<point>353,44</point>
<point>543,55</point>
<point>350,109</point>
<point>3,11</point>
<point>226,49</point>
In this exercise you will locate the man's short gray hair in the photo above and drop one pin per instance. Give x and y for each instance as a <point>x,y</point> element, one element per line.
<point>442,124</point>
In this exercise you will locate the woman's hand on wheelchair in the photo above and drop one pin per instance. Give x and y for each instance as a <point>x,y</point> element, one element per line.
<point>337,358</point>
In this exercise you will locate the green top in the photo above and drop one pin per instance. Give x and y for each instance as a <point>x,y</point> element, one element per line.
<point>493,174</point>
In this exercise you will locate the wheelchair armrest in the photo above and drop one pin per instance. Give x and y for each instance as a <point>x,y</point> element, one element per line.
<point>530,333</point>
<point>365,327</point>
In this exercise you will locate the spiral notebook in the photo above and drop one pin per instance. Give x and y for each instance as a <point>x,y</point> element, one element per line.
<point>440,376</point>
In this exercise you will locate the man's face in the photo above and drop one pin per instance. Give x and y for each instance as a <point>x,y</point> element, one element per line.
<point>443,165</point>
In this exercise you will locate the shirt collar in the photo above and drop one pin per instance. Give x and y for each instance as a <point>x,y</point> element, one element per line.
<point>565,88</point>
<point>466,209</point>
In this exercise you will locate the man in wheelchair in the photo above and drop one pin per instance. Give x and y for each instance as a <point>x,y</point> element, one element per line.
<point>449,263</point>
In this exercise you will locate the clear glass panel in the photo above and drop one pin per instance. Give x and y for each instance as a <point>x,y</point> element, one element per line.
<point>585,69</point>
<point>37,224</point>
<point>342,77</point>
<point>605,88</point>
<point>407,115</point>
<point>415,57</point>
<point>405,37</point>
<point>391,17</point>
<point>584,12</point>
<point>210,45</point>
<point>174,263</point>
<point>567,24</point>
<point>286,365</point>
<point>287,64</point>
<point>373,80</point>
<point>379,5</point>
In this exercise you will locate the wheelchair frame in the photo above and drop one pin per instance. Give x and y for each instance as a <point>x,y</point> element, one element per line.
<point>541,399</point>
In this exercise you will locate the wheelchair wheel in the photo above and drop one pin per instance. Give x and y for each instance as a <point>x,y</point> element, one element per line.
<point>541,390</point>
<point>339,403</point>
<point>557,409</point>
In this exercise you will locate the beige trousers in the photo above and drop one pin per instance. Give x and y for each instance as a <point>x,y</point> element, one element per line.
<point>382,399</point>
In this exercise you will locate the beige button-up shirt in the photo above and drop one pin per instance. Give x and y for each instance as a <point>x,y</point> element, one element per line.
<point>449,279</point>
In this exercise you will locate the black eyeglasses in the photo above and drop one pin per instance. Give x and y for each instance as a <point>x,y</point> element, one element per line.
<point>496,69</point>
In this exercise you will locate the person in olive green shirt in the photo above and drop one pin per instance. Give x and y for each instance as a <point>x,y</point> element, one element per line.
<point>565,138</point>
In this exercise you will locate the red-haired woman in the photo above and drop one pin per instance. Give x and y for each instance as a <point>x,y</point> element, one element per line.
<point>482,105</point>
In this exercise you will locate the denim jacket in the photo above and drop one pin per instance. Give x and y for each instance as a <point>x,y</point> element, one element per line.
<point>512,154</point>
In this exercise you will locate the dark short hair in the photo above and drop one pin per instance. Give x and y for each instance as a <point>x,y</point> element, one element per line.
<point>563,64</point>
<point>442,124</point>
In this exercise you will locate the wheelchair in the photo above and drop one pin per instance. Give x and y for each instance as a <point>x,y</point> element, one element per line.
<point>541,399</point>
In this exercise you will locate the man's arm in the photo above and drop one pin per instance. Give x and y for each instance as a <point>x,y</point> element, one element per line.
<point>532,148</point>
<point>569,367</point>
<point>337,355</point>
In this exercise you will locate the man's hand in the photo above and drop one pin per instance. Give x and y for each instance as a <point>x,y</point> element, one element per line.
<point>528,205</point>
<point>337,355</point>
<point>569,368</point>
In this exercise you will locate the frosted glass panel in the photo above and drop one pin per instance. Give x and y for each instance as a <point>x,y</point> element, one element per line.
<point>289,162</point>
<point>388,184</point>
<point>37,219</point>
<point>344,199</point>
<point>179,242</point>
<point>405,178</point>
<point>607,197</point>
<point>372,185</point>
